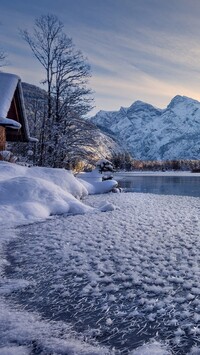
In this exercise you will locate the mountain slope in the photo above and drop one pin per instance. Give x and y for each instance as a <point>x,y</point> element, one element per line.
<point>35,102</point>
<point>150,133</point>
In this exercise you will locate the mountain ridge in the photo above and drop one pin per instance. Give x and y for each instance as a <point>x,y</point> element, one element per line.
<point>151,133</point>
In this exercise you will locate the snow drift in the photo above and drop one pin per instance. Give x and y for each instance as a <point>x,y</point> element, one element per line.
<point>36,192</point>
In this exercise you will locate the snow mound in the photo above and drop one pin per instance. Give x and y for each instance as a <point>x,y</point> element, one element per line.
<point>106,206</point>
<point>94,184</point>
<point>36,192</point>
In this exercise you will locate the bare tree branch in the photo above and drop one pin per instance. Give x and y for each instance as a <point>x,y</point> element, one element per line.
<point>68,96</point>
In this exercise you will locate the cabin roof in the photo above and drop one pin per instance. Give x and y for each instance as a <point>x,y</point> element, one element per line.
<point>12,107</point>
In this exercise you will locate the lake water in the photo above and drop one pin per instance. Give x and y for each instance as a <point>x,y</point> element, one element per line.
<point>156,184</point>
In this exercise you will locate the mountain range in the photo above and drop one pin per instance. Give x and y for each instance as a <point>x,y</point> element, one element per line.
<point>150,133</point>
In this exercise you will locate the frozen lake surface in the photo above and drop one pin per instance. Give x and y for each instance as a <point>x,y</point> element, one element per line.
<point>161,183</point>
<point>113,281</point>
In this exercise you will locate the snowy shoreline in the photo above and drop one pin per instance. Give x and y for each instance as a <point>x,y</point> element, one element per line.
<point>136,264</point>
<point>128,258</point>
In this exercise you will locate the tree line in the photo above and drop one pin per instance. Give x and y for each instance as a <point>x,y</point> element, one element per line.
<point>124,161</point>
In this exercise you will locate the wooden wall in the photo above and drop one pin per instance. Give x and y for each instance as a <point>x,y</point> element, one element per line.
<point>2,138</point>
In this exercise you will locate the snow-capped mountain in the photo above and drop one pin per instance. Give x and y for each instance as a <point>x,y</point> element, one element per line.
<point>150,133</point>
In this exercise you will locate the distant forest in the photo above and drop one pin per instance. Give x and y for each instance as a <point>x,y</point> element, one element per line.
<point>126,162</point>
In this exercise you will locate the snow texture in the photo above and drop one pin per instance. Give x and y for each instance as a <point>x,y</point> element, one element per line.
<point>121,282</point>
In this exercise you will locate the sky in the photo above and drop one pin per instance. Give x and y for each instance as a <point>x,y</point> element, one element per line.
<point>146,50</point>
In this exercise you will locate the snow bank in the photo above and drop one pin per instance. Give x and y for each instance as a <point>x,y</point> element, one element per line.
<point>94,184</point>
<point>36,192</point>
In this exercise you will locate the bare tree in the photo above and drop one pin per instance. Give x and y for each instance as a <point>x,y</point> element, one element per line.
<point>66,75</point>
<point>44,43</point>
<point>3,56</point>
<point>66,69</point>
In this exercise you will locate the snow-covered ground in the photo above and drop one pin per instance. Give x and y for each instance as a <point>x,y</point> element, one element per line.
<point>122,282</point>
<point>28,193</point>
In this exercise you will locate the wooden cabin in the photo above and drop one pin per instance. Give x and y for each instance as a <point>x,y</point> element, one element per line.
<point>13,120</point>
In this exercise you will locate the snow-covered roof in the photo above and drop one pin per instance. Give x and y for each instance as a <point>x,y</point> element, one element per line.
<point>9,85</point>
<point>8,122</point>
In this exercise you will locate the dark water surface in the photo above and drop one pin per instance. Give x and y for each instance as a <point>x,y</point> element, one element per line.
<point>162,185</point>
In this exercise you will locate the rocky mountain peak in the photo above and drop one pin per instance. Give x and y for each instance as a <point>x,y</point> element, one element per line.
<point>184,100</point>
<point>150,133</point>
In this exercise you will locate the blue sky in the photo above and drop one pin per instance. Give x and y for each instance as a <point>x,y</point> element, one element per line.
<point>145,50</point>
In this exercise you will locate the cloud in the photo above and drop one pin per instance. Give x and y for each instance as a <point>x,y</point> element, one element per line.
<point>116,92</point>
<point>152,66</point>
<point>147,49</point>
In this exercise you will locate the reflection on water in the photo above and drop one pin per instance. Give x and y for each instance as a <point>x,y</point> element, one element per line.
<point>164,185</point>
